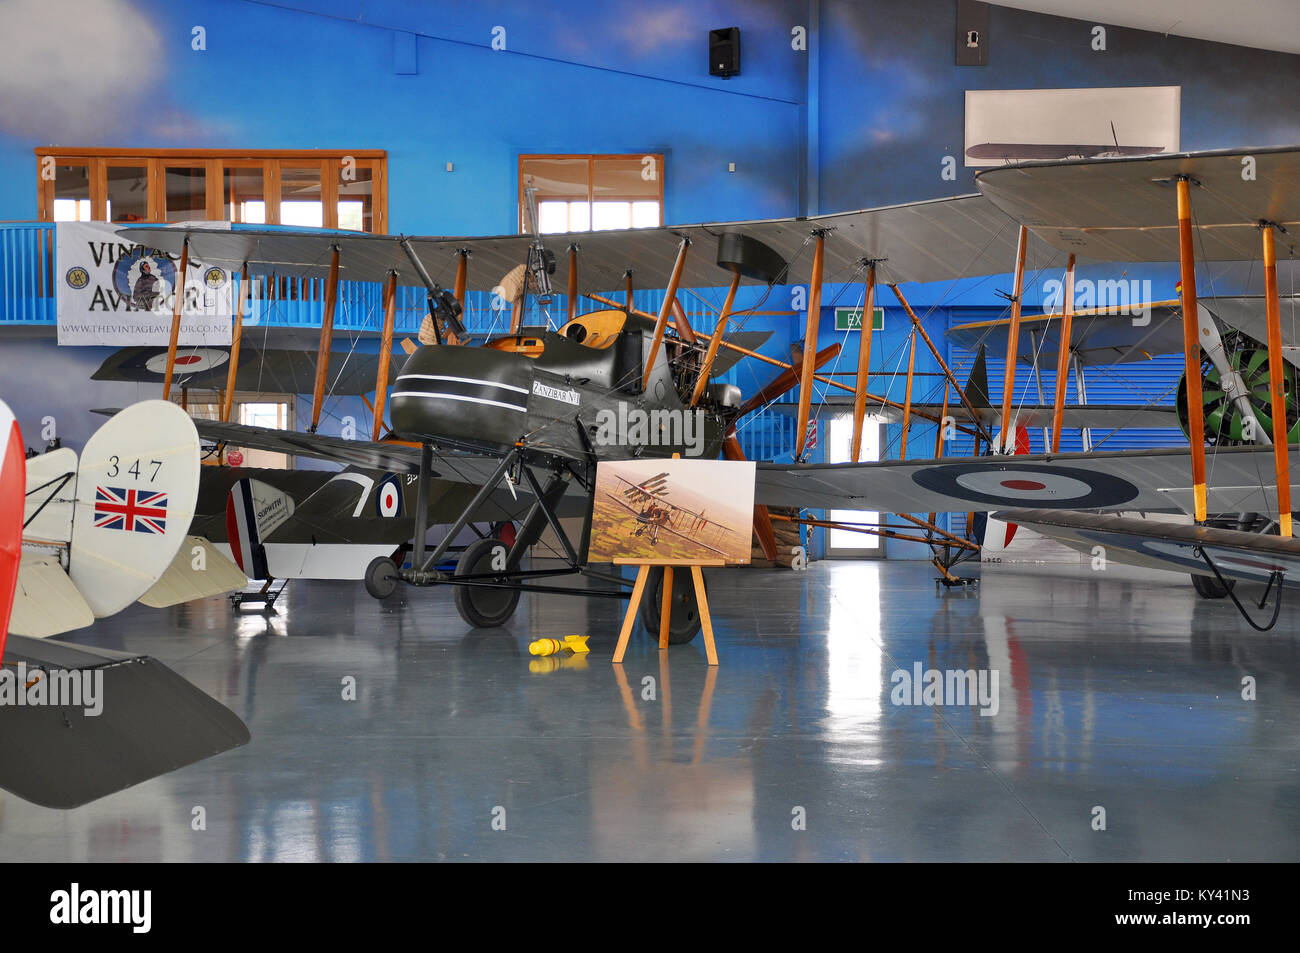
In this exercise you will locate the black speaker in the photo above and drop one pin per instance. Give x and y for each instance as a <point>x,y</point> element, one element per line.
<point>724,52</point>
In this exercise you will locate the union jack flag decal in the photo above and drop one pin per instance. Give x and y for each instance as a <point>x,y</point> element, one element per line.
<point>135,511</point>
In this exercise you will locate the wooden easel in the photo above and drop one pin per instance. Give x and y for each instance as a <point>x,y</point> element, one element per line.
<point>665,610</point>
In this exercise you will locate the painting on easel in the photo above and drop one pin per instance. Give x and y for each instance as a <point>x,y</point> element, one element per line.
<point>673,510</point>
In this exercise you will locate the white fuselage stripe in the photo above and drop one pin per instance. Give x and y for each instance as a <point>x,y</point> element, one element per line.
<point>460,380</point>
<point>472,400</point>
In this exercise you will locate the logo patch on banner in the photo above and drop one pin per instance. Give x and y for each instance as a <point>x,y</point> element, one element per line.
<point>133,511</point>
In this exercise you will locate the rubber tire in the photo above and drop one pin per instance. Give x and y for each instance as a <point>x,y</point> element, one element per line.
<point>684,624</point>
<point>480,606</point>
<point>1207,587</point>
<point>381,577</point>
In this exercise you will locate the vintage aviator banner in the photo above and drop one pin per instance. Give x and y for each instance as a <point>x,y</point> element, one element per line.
<point>113,292</point>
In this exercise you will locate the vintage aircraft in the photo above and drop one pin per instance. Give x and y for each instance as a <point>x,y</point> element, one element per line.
<point>80,540</point>
<point>528,402</point>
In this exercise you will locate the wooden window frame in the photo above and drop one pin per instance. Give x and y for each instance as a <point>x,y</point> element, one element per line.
<point>215,161</point>
<point>591,158</point>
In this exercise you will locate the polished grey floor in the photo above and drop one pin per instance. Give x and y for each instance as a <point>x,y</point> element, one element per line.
<point>1118,691</point>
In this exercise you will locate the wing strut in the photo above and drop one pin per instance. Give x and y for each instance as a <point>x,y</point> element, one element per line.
<point>573,281</point>
<point>178,305</point>
<point>661,323</point>
<point>810,345</point>
<point>236,339</point>
<point>326,339</point>
<point>864,361</point>
<point>907,399</point>
<point>1013,345</point>
<point>1277,383</point>
<point>1191,346</point>
<point>1063,355</point>
<point>385,352</point>
<point>707,364</point>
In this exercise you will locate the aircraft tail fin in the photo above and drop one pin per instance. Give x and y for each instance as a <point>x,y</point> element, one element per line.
<point>46,602</point>
<point>254,510</point>
<point>12,489</point>
<point>137,485</point>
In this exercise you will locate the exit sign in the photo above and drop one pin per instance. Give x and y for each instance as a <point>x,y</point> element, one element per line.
<point>850,319</point>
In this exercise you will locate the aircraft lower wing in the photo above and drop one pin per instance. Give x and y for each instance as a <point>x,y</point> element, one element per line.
<point>1154,480</point>
<point>1251,557</point>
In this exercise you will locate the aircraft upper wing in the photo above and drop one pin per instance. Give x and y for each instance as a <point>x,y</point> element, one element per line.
<point>1153,480</point>
<point>932,240</point>
<point>1125,208</point>
<point>1095,416</point>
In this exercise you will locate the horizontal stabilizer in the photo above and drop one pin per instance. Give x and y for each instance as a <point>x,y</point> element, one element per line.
<point>150,721</point>
<point>197,572</point>
<point>51,493</point>
<point>46,602</point>
<point>1162,544</point>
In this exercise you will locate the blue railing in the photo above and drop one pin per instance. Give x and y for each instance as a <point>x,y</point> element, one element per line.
<point>28,280</point>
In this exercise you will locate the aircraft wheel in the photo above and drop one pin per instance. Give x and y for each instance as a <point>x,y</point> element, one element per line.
<point>381,577</point>
<point>1207,587</point>
<point>684,622</point>
<point>483,607</point>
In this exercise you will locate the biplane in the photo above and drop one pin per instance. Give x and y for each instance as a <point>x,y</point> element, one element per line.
<point>520,409</point>
<point>654,513</point>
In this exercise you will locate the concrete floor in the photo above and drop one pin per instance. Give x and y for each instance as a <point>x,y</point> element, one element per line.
<point>1124,695</point>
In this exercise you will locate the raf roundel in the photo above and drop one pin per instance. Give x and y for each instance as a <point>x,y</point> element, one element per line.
<point>388,498</point>
<point>189,360</point>
<point>1046,486</point>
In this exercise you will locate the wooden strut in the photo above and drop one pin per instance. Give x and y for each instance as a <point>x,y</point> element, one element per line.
<point>1013,344</point>
<point>661,323</point>
<point>627,275</point>
<point>980,429</point>
<point>1192,347</point>
<point>385,352</point>
<point>681,324</point>
<point>907,399</point>
<point>326,339</point>
<point>811,324</point>
<point>763,530</point>
<point>236,340</point>
<point>864,362</point>
<point>829,381</point>
<point>715,340</point>
<point>178,305</point>
<point>1063,356</point>
<point>1277,383</point>
<point>573,281</point>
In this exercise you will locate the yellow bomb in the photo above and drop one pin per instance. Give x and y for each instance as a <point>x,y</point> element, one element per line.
<point>544,647</point>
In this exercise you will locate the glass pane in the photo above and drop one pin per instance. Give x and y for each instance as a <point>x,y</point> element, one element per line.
<point>185,193</point>
<point>128,193</point>
<point>611,215</point>
<point>579,216</point>
<point>646,215</point>
<point>243,195</point>
<point>553,217</point>
<point>356,198</point>
<point>71,193</point>
<point>300,197</point>
<point>626,179</point>
<point>555,179</point>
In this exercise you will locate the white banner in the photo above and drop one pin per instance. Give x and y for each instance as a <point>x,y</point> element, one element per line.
<point>117,293</point>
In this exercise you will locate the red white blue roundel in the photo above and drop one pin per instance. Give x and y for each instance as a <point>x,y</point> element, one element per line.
<point>189,360</point>
<point>388,498</point>
<point>1045,486</point>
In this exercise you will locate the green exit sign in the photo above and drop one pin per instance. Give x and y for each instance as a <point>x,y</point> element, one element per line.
<point>850,319</point>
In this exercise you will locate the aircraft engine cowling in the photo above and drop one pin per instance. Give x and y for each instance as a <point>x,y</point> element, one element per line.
<point>468,395</point>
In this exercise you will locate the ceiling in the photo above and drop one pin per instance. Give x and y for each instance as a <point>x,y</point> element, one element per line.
<point>1262,24</point>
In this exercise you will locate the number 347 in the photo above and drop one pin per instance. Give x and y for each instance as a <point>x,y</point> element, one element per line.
<point>115,467</point>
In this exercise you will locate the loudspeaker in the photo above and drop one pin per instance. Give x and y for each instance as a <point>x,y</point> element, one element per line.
<point>724,52</point>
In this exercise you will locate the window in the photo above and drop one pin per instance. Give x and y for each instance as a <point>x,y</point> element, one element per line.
<point>333,189</point>
<point>581,193</point>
